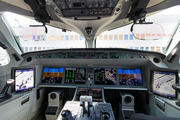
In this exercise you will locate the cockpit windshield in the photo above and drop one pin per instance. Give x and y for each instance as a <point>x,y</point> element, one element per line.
<point>123,38</point>
<point>35,38</point>
<point>32,38</point>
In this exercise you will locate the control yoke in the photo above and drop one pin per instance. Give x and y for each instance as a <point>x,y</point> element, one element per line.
<point>177,88</point>
<point>4,95</point>
<point>84,99</point>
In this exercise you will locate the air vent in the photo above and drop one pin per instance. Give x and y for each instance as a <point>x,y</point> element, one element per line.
<point>29,59</point>
<point>118,9</point>
<point>156,60</point>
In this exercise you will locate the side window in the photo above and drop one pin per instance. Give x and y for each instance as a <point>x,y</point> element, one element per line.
<point>4,57</point>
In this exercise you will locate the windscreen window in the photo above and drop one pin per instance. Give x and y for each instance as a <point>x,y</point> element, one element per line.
<point>35,39</point>
<point>130,77</point>
<point>122,37</point>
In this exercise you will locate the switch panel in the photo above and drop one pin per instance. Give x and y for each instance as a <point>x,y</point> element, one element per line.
<point>71,8</point>
<point>90,77</point>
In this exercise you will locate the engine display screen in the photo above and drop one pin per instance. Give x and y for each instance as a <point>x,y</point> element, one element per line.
<point>94,92</point>
<point>52,75</point>
<point>75,76</point>
<point>130,77</point>
<point>162,83</point>
<point>105,76</point>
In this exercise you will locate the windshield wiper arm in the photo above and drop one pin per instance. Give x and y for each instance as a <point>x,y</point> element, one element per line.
<point>46,30</point>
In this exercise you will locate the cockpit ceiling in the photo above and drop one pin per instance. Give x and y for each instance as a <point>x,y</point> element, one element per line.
<point>21,3</point>
<point>18,3</point>
<point>154,2</point>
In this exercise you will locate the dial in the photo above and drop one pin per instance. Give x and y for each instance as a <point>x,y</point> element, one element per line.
<point>52,80</point>
<point>129,82</point>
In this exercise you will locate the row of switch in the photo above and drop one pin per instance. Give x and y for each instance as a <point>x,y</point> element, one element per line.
<point>80,12</point>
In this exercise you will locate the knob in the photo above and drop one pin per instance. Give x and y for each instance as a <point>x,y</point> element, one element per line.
<point>63,114</point>
<point>66,114</point>
<point>176,87</point>
<point>105,115</point>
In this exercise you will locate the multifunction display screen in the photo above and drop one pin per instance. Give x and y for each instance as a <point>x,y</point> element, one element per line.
<point>75,76</point>
<point>162,83</point>
<point>52,75</point>
<point>24,79</point>
<point>105,76</point>
<point>94,92</point>
<point>130,77</point>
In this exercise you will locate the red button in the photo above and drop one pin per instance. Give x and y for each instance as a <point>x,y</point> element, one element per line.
<point>175,86</point>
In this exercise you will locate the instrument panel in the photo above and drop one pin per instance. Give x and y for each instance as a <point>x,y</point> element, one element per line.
<point>92,76</point>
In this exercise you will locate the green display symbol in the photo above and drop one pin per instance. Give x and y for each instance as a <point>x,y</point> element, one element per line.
<point>70,76</point>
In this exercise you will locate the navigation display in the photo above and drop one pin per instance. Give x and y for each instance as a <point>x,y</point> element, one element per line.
<point>75,76</point>
<point>162,83</point>
<point>24,79</point>
<point>94,92</point>
<point>130,77</point>
<point>52,75</point>
<point>105,76</point>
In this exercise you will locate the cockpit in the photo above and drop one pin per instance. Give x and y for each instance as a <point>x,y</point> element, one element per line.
<point>89,59</point>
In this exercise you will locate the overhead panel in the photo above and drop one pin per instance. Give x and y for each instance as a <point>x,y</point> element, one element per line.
<point>71,8</point>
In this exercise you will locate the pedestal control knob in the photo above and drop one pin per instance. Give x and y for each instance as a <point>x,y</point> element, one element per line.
<point>66,115</point>
<point>176,87</point>
<point>105,115</point>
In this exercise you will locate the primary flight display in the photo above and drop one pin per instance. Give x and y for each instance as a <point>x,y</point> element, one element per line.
<point>52,75</point>
<point>130,77</point>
